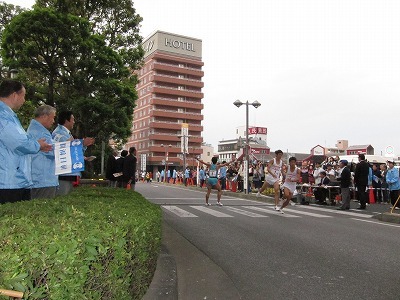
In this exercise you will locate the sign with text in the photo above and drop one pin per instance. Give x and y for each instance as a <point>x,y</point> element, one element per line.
<point>185,138</point>
<point>257,130</point>
<point>318,150</point>
<point>69,157</point>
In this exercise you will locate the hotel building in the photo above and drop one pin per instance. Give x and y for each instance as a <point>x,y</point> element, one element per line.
<point>167,117</point>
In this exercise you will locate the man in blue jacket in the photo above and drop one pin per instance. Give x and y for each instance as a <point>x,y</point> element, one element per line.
<point>45,182</point>
<point>15,168</point>
<point>392,179</point>
<point>62,133</point>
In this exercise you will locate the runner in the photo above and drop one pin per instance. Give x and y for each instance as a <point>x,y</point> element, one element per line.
<point>292,176</point>
<point>212,182</point>
<point>272,177</point>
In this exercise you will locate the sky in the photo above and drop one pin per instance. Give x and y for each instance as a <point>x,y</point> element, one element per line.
<point>322,70</point>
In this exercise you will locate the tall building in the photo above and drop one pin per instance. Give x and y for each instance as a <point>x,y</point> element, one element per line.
<point>167,117</point>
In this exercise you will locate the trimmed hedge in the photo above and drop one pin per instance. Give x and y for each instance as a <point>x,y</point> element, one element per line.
<point>96,243</point>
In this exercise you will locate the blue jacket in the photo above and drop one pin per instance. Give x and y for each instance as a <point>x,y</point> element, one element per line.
<point>15,167</point>
<point>43,164</point>
<point>62,134</point>
<point>222,172</point>
<point>392,179</point>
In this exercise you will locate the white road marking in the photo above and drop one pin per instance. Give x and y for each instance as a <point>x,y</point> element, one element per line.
<point>179,212</point>
<point>270,211</point>
<point>379,223</point>
<point>305,213</point>
<point>212,212</point>
<point>339,212</point>
<point>246,213</point>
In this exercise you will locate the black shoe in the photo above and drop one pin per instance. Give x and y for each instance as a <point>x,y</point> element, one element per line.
<point>360,207</point>
<point>340,208</point>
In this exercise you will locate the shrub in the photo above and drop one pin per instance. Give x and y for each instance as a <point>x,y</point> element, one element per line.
<point>96,243</point>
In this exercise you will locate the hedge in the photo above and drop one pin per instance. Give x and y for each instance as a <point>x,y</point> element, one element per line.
<point>96,243</point>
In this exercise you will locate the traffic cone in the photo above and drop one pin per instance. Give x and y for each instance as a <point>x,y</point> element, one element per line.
<point>371,196</point>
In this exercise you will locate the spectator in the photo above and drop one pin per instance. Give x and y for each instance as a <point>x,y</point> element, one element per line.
<point>158,174</point>
<point>119,166</point>
<point>318,169</point>
<point>321,192</point>
<point>304,172</point>
<point>174,175</point>
<point>45,182</point>
<point>258,169</point>
<point>330,172</point>
<point>384,185</point>
<point>377,183</point>
<point>345,182</point>
<point>202,176</point>
<point>15,172</point>
<point>62,133</point>
<point>222,176</point>
<point>361,180</point>
<point>392,179</point>
<point>111,169</point>
<point>129,169</point>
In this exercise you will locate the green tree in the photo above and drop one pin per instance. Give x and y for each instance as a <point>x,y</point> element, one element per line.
<point>116,20</point>
<point>73,69</point>
<point>7,12</point>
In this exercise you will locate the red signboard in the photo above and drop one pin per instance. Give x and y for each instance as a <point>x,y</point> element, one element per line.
<point>257,130</point>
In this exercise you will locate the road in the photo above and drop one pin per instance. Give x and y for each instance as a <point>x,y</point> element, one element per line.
<point>310,252</point>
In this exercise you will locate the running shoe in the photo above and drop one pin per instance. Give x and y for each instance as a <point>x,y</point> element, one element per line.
<point>281,210</point>
<point>276,208</point>
<point>219,204</point>
<point>258,194</point>
<point>208,204</point>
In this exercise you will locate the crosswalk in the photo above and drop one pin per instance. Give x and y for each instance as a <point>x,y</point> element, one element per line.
<point>258,211</point>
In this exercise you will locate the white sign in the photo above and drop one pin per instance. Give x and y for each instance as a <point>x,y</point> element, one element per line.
<point>185,138</point>
<point>69,157</point>
<point>318,151</point>
<point>143,160</point>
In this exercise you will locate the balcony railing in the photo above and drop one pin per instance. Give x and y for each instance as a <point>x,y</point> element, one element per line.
<point>173,88</point>
<point>176,66</point>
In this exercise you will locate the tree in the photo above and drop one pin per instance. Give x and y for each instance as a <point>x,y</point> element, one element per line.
<point>116,20</point>
<point>7,12</point>
<point>73,69</point>
<point>80,55</point>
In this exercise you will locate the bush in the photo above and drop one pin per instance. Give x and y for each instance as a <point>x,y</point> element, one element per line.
<point>96,243</point>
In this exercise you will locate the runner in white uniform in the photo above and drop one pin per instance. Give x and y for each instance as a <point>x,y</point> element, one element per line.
<point>272,177</point>
<point>291,178</point>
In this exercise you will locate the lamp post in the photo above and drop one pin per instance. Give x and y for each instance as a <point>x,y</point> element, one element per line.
<point>9,73</point>
<point>166,160</point>
<point>256,104</point>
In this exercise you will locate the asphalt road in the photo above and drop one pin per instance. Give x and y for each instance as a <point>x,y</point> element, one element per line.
<point>310,252</point>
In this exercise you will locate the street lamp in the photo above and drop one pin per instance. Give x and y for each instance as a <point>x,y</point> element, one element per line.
<point>256,104</point>
<point>166,160</point>
<point>12,74</point>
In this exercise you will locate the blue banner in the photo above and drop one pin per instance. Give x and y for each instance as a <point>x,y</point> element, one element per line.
<point>69,157</point>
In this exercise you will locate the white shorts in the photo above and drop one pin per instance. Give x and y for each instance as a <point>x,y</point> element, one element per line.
<point>291,186</point>
<point>271,180</point>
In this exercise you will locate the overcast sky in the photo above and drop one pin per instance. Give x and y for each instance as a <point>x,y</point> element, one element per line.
<point>322,70</point>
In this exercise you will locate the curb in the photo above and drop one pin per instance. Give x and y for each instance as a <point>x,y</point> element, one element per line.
<point>388,217</point>
<point>164,282</point>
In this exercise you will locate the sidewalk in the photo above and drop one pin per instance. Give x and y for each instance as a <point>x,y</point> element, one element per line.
<point>199,277</point>
<point>184,272</point>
